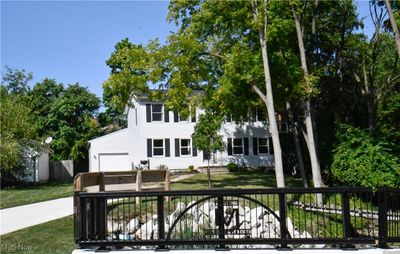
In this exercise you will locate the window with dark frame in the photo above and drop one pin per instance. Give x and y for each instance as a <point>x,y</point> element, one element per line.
<point>156,112</point>
<point>186,149</point>
<point>158,147</point>
<point>263,146</point>
<point>237,146</point>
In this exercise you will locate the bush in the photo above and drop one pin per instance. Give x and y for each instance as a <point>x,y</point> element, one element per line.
<point>232,167</point>
<point>362,160</point>
<point>191,168</point>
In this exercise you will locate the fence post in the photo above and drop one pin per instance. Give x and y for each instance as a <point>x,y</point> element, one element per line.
<point>77,220</point>
<point>219,216</point>
<point>382,220</point>
<point>101,218</point>
<point>82,217</point>
<point>161,220</point>
<point>282,216</point>
<point>346,217</point>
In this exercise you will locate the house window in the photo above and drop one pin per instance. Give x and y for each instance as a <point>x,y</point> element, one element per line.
<point>237,146</point>
<point>185,147</point>
<point>158,147</point>
<point>263,146</point>
<point>156,112</point>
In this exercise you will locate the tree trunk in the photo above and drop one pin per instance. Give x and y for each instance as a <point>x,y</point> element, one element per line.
<point>208,172</point>
<point>296,141</point>
<point>394,25</point>
<point>316,171</point>
<point>269,102</point>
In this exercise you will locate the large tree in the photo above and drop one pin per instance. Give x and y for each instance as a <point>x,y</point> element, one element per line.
<point>17,134</point>
<point>66,115</point>
<point>220,47</point>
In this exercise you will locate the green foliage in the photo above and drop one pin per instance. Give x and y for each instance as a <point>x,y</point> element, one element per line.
<point>17,134</point>
<point>362,160</point>
<point>70,122</point>
<point>16,81</point>
<point>66,115</point>
<point>191,168</point>
<point>232,167</point>
<point>206,135</point>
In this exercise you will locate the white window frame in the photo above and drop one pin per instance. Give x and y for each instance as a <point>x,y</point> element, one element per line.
<point>158,147</point>
<point>162,113</point>
<point>266,145</point>
<point>189,147</point>
<point>241,146</point>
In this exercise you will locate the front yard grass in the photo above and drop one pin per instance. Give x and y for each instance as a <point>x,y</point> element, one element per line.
<point>52,237</point>
<point>243,179</point>
<point>24,195</point>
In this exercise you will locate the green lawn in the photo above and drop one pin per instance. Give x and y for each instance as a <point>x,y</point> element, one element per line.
<point>244,180</point>
<point>52,237</point>
<point>17,196</point>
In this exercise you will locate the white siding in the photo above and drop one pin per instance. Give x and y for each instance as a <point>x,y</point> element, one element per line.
<point>133,142</point>
<point>113,143</point>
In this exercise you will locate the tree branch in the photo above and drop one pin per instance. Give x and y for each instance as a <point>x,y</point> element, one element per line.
<point>258,91</point>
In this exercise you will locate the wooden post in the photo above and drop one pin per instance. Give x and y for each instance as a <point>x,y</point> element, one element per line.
<point>167,184</point>
<point>78,182</point>
<point>101,182</point>
<point>138,185</point>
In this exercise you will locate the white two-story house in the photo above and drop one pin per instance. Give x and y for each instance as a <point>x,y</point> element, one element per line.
<point>164,139</point>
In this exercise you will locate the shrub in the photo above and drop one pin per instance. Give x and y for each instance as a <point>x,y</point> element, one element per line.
<point>362,160</point>
<point>191,168</point>
<point>232,167</point>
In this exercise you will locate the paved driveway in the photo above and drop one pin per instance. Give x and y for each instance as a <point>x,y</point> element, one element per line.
<point>19,217</point>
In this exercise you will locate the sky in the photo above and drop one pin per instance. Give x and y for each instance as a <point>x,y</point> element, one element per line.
<point>70,41</point>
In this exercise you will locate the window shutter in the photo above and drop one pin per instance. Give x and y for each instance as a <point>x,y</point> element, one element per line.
<point>229,146</point>
<point>149,148</point>
<point>246,146</point>
<point>148,113</point>
<point>194,149</point>
<point>255,146</point>
<point>166,115</point>
<point>177,147</point>
<point>260,115</point>
<point>193,116</point>
<point>206,155</point>
<point>176,117</point>
<point>271,146</point>
<point>167,148</point>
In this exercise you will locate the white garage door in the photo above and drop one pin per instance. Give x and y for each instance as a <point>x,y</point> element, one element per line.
<point>114,162</point>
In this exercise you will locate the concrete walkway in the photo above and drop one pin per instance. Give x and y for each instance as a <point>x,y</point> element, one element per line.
<point>15,218</point>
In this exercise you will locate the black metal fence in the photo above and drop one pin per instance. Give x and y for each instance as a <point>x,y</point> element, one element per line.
<point>238,218</point>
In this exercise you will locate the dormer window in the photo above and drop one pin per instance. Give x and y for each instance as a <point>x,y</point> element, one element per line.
<point>156,112</point>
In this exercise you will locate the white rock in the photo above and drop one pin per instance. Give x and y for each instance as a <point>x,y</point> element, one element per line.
<point>180,206</point>
<point>113,226</point>
<point>148,230</point>
<point>133,225</point>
